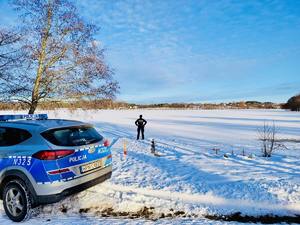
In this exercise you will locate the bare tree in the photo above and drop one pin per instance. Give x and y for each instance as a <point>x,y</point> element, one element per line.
<point>268,138</point>
<point>10,54</point>
<point>63,59</point>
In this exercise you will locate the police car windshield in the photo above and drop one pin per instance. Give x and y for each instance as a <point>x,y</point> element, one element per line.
<point>72,136</point>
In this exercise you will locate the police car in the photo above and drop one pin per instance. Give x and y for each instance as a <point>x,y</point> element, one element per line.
<point>43,160</point>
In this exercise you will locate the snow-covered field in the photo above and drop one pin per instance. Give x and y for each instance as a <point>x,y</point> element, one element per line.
<point>188,179</point>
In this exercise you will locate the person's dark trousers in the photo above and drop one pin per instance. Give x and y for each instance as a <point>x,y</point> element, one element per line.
<point>140,130</point>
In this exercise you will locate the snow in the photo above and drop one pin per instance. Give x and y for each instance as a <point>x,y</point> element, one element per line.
<point>187,175</point>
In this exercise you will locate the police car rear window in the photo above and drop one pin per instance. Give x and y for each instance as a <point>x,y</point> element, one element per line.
<point>72,136</point>
<point>12,136</point>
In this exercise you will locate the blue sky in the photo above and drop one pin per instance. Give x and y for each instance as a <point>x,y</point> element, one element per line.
<point>197,50</point>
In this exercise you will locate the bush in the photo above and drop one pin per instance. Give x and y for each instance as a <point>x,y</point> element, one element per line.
<point>267,135</point>
<point>293,103</point>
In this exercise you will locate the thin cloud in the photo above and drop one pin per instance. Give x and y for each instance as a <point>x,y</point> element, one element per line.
<point>191,50</point>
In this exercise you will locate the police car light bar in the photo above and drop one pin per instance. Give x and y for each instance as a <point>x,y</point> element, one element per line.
<point>24,117</point>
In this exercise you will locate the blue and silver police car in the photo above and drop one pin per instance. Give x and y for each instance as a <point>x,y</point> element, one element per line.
<point>43,160</point>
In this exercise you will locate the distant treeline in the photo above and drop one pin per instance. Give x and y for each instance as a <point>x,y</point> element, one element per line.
<point>230,105</point>
<point>109,104</point>
<point>72,105</point>
<point>293,103</point>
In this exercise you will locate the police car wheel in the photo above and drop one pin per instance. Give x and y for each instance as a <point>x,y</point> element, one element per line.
<point>16,200</point>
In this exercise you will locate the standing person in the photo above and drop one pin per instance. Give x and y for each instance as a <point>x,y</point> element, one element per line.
<point>140,123</point>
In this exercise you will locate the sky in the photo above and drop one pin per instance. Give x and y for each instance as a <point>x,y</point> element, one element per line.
<point>197,50</point>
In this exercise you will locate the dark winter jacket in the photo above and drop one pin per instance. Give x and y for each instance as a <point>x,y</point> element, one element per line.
<point>140,122</point>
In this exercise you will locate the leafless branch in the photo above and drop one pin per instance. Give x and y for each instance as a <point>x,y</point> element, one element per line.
<point>267,135</point>
<point>62,60</point>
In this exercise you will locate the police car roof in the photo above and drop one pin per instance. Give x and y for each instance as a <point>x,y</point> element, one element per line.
<point>45,124</point>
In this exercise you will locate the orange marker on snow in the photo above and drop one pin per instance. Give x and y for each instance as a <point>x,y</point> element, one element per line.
<point>124,149</point>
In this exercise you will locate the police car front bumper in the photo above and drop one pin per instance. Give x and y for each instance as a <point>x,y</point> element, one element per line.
<point>54,192</point>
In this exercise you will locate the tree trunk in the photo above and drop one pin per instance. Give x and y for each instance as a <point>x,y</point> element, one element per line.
<point>32,108</point>
<point>40,69</point>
